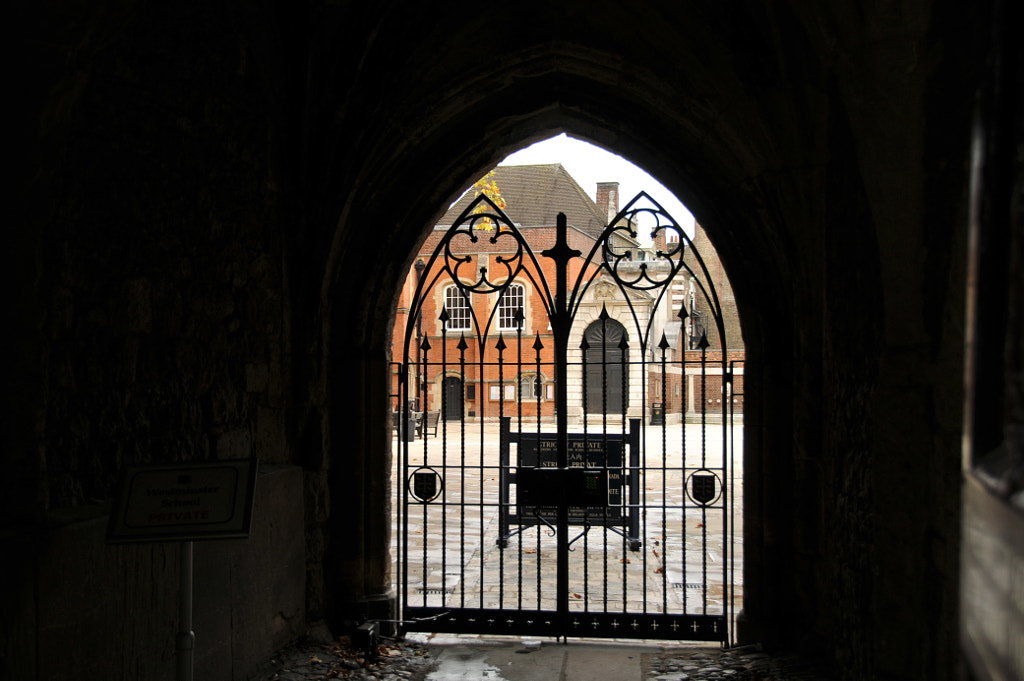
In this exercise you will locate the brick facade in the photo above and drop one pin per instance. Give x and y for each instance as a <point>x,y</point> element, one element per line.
<point>686,292</point>
<point>491,382</point>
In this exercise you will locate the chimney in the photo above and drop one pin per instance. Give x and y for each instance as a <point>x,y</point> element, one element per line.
<point>608,198</point>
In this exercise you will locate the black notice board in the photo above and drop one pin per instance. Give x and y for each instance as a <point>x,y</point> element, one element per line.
<point>608,461</point>
<point>539,450</point>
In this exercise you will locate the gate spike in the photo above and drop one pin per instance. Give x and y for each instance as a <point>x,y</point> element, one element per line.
<point>444,315</point>
<point>537,344</point>
<point>518,317</point>
<point>500,345</point>
<point>462,343</point>
<point>703,343</point>
<point>425,345</point>
<point>584,344</point>
<point>604,313</point>
<point>683,314</point>
<point>664,344</point>
<point>623,343</point>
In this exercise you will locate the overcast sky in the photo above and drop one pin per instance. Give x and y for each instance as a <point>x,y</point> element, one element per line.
<point>589,165</point>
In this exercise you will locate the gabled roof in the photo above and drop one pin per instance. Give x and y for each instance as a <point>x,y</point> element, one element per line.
<point>535,195</point>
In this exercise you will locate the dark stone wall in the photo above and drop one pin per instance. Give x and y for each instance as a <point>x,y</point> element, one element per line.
<point>222,201</point>
<point>816,146</point>
<point>88,610</point>
<point>992,547</point>
<point>160,284</point>
<point>152,326</point>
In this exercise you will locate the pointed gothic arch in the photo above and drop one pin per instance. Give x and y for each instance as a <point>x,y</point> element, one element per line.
<point>607,362</point>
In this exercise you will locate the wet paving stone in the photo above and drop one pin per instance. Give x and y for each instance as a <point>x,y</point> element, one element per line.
<point>413,661</point>
<point>738,664</point>
<point>310,661</point>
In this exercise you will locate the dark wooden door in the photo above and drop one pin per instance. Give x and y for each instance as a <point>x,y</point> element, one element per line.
<point>607,368</point>
<point>452,398</point>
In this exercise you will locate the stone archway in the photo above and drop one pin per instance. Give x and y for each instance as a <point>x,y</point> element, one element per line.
<point>266,175</point>
<point>761,602</point>
<point>759,597</point>
<point>781,190</point>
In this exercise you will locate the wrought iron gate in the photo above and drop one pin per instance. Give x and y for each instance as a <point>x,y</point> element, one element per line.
<point>551,506</point>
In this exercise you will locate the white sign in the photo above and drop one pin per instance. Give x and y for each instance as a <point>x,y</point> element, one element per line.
<point>184,502</point>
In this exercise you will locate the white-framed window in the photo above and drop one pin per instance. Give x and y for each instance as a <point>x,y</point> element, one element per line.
<point>456,303</point>
<point>512,299</point>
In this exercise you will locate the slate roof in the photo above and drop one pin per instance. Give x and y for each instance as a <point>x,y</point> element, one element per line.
<point>535,195</point>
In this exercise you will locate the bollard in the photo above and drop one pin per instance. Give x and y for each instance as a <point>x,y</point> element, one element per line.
<point>365,637</point>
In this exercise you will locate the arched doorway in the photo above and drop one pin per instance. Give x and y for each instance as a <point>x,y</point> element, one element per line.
<point>607,362</point>
<point>559,513</point>
<point>607,344</point>
<point>754,218</point>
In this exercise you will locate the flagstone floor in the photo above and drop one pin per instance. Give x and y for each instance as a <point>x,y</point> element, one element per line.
<point>685,565</point>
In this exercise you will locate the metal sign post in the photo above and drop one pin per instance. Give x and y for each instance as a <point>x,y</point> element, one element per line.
<point>184,502</point>
<point>186,639</point>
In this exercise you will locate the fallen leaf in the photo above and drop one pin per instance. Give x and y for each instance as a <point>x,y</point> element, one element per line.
<point>658,571</point>
<point>700,524</point>
<point>314,659</point>
<point>624,560</point>
<point>655,552</point>
<point>577,596</point>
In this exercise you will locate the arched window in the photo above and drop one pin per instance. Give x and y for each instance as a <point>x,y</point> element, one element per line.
<point>457,305</point>
<point>512,300</point>
<point>531,386</point>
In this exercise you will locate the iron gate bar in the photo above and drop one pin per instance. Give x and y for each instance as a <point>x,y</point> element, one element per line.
<point>664,478</point>
<point>703,345</point>
<point>561,307</point>
<point>530,446</point>
<point>561,254</point>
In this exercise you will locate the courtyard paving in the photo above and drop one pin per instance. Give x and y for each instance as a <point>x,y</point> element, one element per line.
<point>454,560</point>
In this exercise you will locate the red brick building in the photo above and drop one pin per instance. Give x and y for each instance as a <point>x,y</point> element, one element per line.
<point>490,352</point>
<point>703,369</point>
